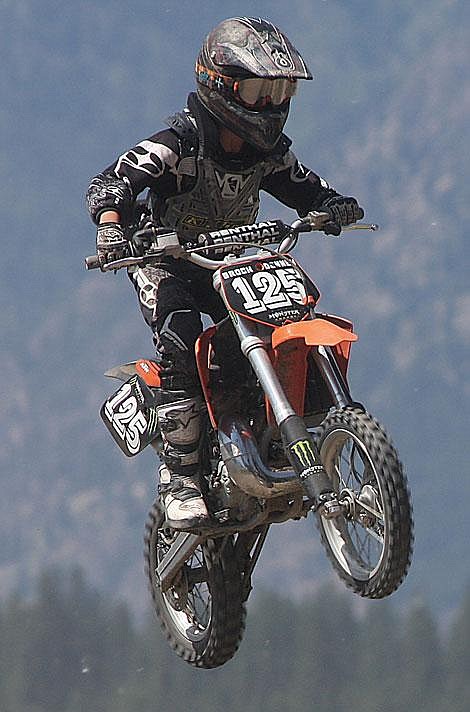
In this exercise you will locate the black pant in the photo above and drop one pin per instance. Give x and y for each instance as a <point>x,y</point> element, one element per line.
<point>172,295</point>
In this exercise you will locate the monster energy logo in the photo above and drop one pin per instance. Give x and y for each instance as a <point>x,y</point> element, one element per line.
<point>233,316</point>
<point>303,451</point>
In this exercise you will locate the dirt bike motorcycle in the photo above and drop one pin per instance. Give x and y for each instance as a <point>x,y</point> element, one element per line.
<point>293,444</point>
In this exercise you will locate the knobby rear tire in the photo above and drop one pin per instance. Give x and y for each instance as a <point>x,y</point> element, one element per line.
<point>371,553</point>
<point>220,630</point>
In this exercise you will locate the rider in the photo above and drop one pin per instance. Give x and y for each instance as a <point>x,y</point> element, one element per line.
<point>204,172</point>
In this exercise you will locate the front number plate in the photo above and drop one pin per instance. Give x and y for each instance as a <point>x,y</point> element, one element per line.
<point>270,290</point>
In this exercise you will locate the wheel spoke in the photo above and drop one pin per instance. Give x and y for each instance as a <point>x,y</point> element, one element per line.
<point>375,535</point>
<point>343,484</point>
<point>352,463</point>
<point>198,612</point>
<point>362,544</point>
<point>198,574</point>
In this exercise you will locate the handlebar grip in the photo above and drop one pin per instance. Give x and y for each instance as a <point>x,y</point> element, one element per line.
<point>92,262</point>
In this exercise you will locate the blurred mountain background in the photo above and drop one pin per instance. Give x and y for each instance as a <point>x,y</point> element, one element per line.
<point>385,120</point>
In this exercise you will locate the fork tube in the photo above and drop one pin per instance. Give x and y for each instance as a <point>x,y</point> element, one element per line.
<point>255,351</point>
<point>332,376</point>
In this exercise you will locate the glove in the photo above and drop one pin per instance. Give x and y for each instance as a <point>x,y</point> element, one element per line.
<point>343,211</point>
<point>141,240</point>
<point>110,243</point>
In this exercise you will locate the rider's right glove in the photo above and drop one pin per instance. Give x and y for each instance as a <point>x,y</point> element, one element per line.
<point>111,244</point>
<point>343,211</point>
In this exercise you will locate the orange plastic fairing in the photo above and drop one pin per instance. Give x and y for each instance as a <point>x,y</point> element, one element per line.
<point>317,332</point>
<point>290,364</point>
<point>291,344</point>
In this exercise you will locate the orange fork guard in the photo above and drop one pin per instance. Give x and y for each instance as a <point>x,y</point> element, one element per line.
<point>291,344</point>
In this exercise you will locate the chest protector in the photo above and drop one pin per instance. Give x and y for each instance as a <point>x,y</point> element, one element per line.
<point>220,197</point>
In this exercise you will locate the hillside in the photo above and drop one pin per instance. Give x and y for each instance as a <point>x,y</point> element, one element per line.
<point>385,119</point>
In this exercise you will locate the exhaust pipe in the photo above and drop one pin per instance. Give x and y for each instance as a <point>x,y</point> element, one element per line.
<point>244,465</point>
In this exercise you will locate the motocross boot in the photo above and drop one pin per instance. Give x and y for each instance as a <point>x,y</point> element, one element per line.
<point>179,488</point>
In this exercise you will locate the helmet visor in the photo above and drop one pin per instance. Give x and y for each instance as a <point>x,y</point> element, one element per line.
<point>257,92</point>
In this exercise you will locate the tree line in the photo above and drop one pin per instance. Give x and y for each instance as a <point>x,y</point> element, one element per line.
<point>70,648</point>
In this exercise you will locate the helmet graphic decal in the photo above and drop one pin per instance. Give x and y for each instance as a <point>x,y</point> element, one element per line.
<point>272,41</point>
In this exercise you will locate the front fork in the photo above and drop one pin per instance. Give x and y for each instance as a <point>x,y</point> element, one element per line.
<point>298,443</point>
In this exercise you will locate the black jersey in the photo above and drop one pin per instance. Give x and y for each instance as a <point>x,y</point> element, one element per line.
<point>170,162</point>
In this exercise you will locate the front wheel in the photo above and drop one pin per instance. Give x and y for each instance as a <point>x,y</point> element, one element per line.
<point>203,612</point>
<point>370,544</point>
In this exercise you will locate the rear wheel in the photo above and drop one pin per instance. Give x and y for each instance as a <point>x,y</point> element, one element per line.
<point>202,613</point>
<point>370,545</point>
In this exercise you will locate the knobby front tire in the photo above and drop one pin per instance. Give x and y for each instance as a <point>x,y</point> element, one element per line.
<point>371,545</point>
<point>203,613</point>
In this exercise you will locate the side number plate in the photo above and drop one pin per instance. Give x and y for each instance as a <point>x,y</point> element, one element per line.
<point>132,425</point>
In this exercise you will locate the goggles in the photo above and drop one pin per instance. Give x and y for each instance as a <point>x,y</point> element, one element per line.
<point>258,92</point>
<point>254,92</point>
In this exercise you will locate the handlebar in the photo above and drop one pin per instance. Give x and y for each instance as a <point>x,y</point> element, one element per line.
<point>219,243</point>
<point>92,262</point>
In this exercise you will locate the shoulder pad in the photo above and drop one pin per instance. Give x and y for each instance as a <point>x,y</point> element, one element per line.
<point>276,156</point>
<point>184,128</point>
<point>281,147</point>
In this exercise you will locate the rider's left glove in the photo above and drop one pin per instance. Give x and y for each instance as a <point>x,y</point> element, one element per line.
<point>111,244</point>
<point>343,210</point>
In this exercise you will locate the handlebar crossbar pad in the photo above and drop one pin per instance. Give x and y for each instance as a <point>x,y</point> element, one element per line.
<point>263,233</point>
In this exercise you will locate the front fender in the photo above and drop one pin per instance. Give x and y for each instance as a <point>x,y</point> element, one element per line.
<point>315,332</point>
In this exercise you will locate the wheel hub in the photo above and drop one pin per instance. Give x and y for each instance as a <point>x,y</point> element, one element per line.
<point>347,500</point>
<point>368,496</point>
<point>351,505</point>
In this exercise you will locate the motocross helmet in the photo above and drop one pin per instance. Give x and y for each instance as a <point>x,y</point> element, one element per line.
<point>246,73</point>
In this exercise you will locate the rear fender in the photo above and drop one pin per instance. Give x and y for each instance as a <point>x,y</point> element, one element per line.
<point>148,370</point>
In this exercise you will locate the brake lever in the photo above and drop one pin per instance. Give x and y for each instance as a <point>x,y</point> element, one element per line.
<point>362,226</point>
<point>120,264</point>
<point>320,220</point>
